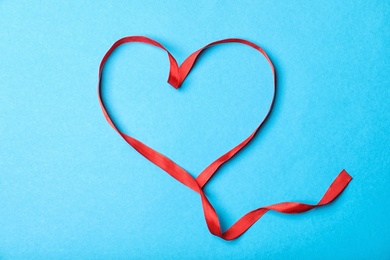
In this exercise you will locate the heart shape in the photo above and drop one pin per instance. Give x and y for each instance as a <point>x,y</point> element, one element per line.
<point>177,75</point>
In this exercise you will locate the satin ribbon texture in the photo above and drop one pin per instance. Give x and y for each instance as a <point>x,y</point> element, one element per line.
<point>177,74</point>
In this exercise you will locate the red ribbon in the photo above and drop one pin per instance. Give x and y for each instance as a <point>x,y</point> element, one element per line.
<point>177,75</point>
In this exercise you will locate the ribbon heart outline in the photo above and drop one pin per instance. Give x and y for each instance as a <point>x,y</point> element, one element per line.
<point>177,75</point>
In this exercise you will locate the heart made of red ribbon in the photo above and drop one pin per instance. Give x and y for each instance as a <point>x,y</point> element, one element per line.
<point>177,75</point>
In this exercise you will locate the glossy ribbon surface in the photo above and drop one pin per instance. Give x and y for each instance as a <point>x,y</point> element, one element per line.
<point>177,75</point>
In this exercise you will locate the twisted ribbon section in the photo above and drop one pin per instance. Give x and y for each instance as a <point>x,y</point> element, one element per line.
<point>177,75</point>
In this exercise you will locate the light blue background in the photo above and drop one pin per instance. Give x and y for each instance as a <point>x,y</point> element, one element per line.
<point>70,187</point>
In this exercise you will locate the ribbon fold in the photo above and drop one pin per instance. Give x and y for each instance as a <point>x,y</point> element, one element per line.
<point>177,75</point>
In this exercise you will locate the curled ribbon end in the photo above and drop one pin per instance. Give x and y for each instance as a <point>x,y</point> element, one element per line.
<point>346,175</point>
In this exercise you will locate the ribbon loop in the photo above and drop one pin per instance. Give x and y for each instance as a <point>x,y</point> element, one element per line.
<point>177,75</point>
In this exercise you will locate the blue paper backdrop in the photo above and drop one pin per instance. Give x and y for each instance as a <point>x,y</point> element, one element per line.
<point>70,187</point>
